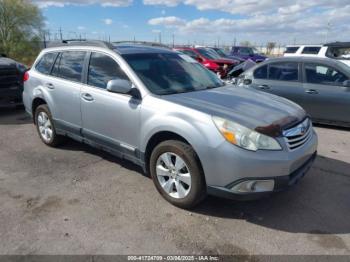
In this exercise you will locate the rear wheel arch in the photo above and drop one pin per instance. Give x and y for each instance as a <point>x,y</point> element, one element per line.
<point>35,104</point>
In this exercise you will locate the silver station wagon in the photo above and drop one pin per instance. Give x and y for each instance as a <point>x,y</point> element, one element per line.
<point>167,113</point>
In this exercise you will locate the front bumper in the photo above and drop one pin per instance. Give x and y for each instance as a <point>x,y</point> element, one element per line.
<point>281,183</point>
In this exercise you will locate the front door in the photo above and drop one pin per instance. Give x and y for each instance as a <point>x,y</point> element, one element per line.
<point>110,119</point>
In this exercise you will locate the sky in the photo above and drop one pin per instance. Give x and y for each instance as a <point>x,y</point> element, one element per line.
<point>206,22</point>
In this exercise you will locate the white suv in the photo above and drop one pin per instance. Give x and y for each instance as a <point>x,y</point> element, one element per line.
<point>338,50</point>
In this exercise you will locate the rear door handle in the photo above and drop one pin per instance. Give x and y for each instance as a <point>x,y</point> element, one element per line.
<point>311,92</point>
<point>264,87</point>
<point>87,97</point>
<point>50,86</point>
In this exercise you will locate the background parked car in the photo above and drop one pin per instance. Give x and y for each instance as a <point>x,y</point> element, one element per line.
<point>223,54</point>
<point>11,82</point>
<point>209,59</point>
<point>246,53</point>
<point>320,85</point>
<point>337,50</point>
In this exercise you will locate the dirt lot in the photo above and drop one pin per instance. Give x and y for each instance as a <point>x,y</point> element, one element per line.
<point>77,200</point>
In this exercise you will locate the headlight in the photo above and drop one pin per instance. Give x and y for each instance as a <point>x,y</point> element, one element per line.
<point>245,137</point>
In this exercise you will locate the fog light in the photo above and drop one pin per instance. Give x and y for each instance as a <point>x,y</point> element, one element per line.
<point>254,186</point>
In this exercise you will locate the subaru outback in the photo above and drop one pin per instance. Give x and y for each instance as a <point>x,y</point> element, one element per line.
<point>169,114</point>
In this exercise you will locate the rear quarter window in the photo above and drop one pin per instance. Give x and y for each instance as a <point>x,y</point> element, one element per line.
<point>46,62</point>
<point>291,49</point>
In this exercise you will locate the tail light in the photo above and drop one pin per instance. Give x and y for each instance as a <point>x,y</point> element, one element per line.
<point>26,76</point>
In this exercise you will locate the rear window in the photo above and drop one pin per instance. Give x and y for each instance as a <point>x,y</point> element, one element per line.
<point>291,49</point>
<point>44,66</point>
<point>70,65</point>
<point>311,50</point>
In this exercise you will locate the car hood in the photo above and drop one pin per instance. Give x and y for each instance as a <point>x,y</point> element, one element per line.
<point>222,61</point>
<point>265,113</point>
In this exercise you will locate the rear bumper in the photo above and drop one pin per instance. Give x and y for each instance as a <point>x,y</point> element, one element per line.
<point>11,96</point>
<point>281,183</point>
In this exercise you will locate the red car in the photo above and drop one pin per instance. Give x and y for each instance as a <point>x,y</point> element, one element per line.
<point>209,59</point>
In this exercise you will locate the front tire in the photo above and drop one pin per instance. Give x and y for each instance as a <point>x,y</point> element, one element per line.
<point>177,174</point>
<point>45,126</point>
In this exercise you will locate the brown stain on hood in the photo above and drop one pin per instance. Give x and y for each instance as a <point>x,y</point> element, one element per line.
<point>276,128</point>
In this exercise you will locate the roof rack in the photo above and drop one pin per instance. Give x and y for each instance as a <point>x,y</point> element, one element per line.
<point>154,44</point>
<point>79,42</point>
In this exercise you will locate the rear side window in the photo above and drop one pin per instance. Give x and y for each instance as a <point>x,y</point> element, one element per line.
<point>102,69</point>
<point>311,50</point>
<point>70,65</point>
<point>261,72</point>
<point>284,71</point>
<point>291,49</point>
<point>45,64</point>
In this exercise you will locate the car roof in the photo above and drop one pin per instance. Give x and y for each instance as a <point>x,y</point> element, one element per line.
<point>338,44</point>
<point>140,49</point>
<point>310,59</point>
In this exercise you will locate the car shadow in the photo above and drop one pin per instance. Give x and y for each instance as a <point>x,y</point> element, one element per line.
<point>342,128</point>
<point>319,204</point>
<point>14,116</point>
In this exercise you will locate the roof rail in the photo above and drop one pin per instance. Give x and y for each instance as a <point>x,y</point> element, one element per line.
<point>154,44</point>
<point>79,42</point>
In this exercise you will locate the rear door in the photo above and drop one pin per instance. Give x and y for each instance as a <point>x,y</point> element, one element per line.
<point>326,98</point>
<point>280,78</point>
<point>64,85</point>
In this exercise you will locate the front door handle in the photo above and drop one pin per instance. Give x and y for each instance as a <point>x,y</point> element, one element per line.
<point>50,86</point>
<point>311,92</point>
<point>87,97</point>
<point>264,87</point>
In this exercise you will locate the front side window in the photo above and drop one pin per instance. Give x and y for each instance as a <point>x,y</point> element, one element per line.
<point>102,69</point>
<point>261,72</point>
<point>311,50</point>
<point>325,75</point>
<point>70,65</point>
<point>246,51</point>
<point>45,64</point>
<point>284,71</point>
<point>171,73</point>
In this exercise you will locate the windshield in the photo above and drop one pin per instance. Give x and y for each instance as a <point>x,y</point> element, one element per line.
<point>171,73</point>
<point>208,54</point>
<point>220,52</point>
<point>342,53</point>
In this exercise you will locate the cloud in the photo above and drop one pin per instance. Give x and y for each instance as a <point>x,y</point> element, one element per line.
<point>168,21</point>
<point>170,3</point>
<point>62,3</point>
<point>107,21</point>
<point>282,26</point>
<point>81,28</point>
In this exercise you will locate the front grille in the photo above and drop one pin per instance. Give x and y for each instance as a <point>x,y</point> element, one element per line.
<point>297,136</point>
<point>9,77</point>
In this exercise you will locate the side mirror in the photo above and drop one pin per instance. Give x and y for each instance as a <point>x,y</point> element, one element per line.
<point>346,83</point>
<point>120,86</point>
<point>199,59</point>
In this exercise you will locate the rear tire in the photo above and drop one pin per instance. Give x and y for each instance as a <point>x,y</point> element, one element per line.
<point>177,174</point>
<point>45,127</point>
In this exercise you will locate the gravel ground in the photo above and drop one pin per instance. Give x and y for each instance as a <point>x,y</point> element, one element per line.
<point>78,200</point>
